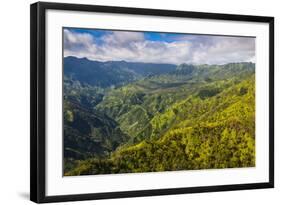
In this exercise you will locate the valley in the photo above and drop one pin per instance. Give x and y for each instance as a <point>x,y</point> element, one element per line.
<point>123,117</point>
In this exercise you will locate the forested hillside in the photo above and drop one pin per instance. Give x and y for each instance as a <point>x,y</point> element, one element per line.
<point>110,73</point>
<point>182,118</point>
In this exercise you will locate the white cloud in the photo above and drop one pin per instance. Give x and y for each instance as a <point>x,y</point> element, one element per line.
<point>218,50</point>
<point>123,38</point>
<point>78,41</point>
<point>132,46</point>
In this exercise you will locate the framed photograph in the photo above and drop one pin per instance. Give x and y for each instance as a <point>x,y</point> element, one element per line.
<point>129,102</point>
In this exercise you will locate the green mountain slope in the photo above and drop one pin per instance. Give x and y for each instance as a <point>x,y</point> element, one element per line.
<point>214,133</point>
<point>196,117</point>
<point>138,106</point>
<point>110,73</point>
<point>87,132</point>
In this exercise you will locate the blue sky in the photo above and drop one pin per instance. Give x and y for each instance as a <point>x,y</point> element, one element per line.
<point>156,47</point>
<point>152,36</point>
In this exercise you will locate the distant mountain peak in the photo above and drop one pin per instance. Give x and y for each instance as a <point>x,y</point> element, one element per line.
<point>106,74</point>
<point>185,66</point>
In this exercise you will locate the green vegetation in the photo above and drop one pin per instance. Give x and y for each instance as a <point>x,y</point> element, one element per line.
<point>193,117</point>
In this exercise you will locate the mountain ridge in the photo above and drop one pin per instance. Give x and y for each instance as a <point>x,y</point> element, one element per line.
<point>145,112</point>
<point>111,73</point>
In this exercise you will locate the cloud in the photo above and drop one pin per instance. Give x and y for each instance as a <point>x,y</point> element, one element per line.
<point>117,38</point>
<point>77,41</point>
<point>220,49</point>
<point>133,46</point>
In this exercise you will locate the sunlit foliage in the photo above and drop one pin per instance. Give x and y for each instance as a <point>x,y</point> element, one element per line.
<point>196,117</point>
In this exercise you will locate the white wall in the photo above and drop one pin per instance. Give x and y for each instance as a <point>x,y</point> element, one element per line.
<point>14,102</point>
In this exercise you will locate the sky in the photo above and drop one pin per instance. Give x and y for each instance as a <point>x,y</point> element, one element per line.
<point>156,47</point>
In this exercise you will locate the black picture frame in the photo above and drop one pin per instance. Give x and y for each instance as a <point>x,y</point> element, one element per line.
<point>38,100</point>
